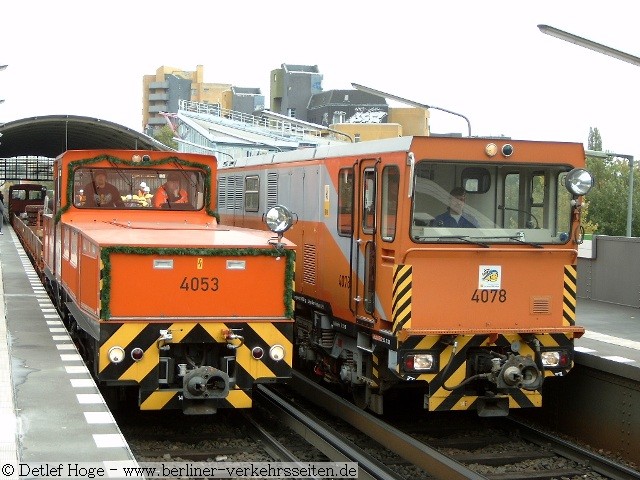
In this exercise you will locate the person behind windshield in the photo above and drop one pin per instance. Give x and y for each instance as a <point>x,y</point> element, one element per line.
<point>100,193</point>
<point>170,192</point>
<point>454,216</point>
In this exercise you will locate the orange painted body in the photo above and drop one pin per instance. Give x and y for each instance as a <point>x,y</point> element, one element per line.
<point>163,298</point>
<point>379,272</point>
<point>445,275</point>
<point>83,233</point>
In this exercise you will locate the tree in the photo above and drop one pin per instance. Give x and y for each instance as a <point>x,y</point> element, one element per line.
<point>595,141</point>
<point>608,199</point>
<point>165,136</point>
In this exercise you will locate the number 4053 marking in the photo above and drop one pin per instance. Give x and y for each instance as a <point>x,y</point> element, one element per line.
<point>489,296</point>
<point>205,284</point>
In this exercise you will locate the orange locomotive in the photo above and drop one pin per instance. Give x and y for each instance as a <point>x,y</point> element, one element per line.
<point>161,298</point>
<point>446,264</point>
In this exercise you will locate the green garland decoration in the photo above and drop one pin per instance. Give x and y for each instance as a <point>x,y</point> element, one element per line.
<point>71,166</point>
<point>105,256</point>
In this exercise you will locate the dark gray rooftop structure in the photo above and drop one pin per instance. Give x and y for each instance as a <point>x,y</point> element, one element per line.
<point>291,88</point>
<point>346,106</point>
<point>51,135</point>
<point>246,99</point>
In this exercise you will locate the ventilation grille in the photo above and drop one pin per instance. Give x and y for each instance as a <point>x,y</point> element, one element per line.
<point>540,305</point>
<point>272,190</point>
<point>238,197</point>
<point>235,187</point>
<point>222,193</point>
<point>309,264</point>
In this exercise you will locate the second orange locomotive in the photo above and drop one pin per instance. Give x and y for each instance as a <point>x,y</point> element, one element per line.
<point>446,264</point>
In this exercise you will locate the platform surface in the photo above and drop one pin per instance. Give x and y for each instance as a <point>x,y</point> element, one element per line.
<point>50,407</point>
<point>612,331</point>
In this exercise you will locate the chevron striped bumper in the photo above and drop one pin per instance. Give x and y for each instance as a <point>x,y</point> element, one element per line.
<point>449,385</point>
<point>195,366</point>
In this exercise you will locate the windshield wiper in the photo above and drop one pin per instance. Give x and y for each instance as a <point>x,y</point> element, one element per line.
<point>517,238</point>
<point>464,238</point>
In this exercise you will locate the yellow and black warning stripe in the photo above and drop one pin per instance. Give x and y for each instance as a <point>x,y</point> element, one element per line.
<point>570,294</point>
<point>246,369</point>
<point>401,297</point>
<point>168,399</point>
<point>459,401</point>
<point>445,399</point>
<point>375,371</point>
<point>441,399</point>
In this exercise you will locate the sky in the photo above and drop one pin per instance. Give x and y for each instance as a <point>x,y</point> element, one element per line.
<point>484,59</point>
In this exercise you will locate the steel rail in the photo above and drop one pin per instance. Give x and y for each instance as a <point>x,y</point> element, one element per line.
<point>597,463</point>
<point>430,460</point>
<point>273,447</point>
<point>330,443</point>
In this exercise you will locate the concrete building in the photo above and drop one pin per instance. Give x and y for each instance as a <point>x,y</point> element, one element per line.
<point>162,92</point>
<point>291,88</point>
<point>399,122</point>
<point>414,121</point>
<point>236,122</point>
<point>244,100</point>
<point>296,91</point>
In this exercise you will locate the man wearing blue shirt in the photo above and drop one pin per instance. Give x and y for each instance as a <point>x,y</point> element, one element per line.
<point>454,216</point>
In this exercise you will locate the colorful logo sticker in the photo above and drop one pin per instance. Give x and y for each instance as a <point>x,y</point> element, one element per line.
<point>327,203</point>
<point>490,277</point>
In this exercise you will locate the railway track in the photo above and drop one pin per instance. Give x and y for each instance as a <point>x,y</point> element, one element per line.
<point>308,423</point>
<point>327,440</point>
<point>582,455</point>
<point>172,436</point>
<point>382,453</point>
<point>235,436</point>
<point>470,447</point>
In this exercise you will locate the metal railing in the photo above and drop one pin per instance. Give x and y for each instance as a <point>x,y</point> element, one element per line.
<point>31,238</point>
<point>26,168</point>
<point>269,126</point>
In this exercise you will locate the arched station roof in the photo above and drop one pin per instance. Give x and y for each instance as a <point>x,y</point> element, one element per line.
<point>51,135</point>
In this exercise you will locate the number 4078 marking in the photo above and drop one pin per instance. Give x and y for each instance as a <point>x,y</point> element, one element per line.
<point>489,296</point>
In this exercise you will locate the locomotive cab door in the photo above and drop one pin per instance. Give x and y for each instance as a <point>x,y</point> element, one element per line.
<point>364,251</point>
<point>374,242</point>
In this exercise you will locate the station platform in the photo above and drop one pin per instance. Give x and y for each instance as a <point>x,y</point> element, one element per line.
<point>612,331</point>
<point>50,407</point>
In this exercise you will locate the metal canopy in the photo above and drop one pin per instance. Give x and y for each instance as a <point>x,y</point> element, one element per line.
<point>49,136</point>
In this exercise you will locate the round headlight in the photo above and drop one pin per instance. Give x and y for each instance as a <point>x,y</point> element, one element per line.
<point>550,359</point>
<point>507,150</point>
<point>257,352</point>
<point>116,354</point>
<point>278,219</point>
<point>137,354</point>
<point>277,352</point>
<point>578,181</point>
<point>491,149</point>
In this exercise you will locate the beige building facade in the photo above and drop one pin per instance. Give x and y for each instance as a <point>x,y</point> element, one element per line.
<point>292,87</point>
<point>162,92</point>
<point>401,122</point>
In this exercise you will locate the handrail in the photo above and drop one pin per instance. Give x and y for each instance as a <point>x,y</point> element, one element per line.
<point>282,128</point>
<point>30,239</point>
